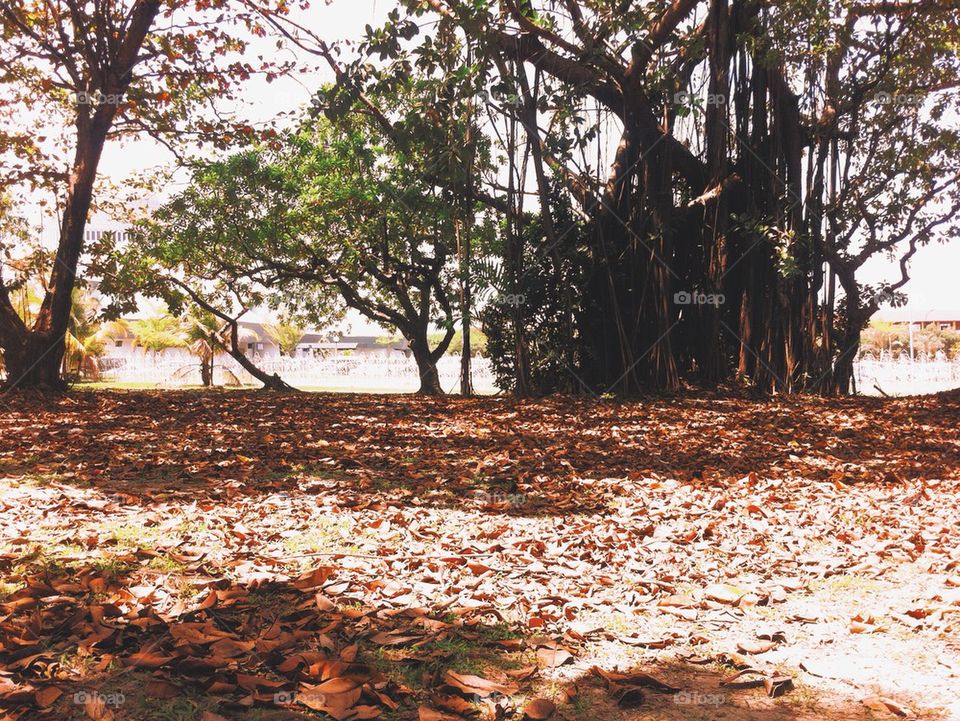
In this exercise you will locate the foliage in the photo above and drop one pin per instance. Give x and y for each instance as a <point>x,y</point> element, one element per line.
<point>86,337</point>
<point>157,334</point>
<point>533,305</point>
<point>86,74</point>
<point>287,336</point>
<point>822,131</point>
<point>928,340</point>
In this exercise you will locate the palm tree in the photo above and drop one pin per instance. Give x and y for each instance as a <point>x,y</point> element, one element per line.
<point>287,336</point>
<point>87,337</point>
<point>157,334</point>
<point>204,334</point>
<point>84,339</point>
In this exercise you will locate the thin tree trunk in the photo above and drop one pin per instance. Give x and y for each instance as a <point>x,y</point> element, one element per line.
<point>206,372</point>
<point>466,303</point>
<point>270,382</point>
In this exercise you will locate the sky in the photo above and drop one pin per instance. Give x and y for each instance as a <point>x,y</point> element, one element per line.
<point>933,283</point>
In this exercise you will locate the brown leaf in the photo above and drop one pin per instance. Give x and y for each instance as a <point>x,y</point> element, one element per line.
<point>552,657</point>
<point>324,603</point>
<point>211,716</point>
<point>628,696</point>
<point>426,713</point>
<point>147,659</point>
<point>96,708</point>
<point>162,689</point>
<point>456,704</point>
<point>635,679</point>
<point>882,703</point>
<point>477,686</point>
<point>777,685</point>
<point>539,709</point>
<point>523,673</point>
<point>47,696</point>
<point>756,647</point>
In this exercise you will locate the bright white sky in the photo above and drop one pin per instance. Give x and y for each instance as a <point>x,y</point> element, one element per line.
<point>934,268</point>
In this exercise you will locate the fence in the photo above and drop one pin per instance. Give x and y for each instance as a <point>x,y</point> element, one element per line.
<point>354,373</point>
<point>895,377</point>
<point>903,376</point>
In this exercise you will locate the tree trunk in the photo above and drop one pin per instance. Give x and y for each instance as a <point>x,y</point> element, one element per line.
<point>270,382</point>
<point>38,352</point>
<point>206,372</point>
<point>854,320</point>
<point>33,361</point>
<point>427,367</point>
<point>466,303</point>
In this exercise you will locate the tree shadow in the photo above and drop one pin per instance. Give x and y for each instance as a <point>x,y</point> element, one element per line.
<point>103,643</point>
<point>521,458</point>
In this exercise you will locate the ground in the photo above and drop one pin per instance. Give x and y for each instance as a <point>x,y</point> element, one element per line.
<point>209,555</point>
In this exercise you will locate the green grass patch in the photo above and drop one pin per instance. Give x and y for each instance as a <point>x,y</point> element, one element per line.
<point>327,535</point>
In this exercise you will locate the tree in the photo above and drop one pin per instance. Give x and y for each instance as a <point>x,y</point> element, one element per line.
<point>103,70</point>
<point>86,337</point>
<point>204,334</point>
<point>213,246</point>
<point>890,157</point>
<point>545,292</point>
<point>330,213</point>
<point>726,150</point>
<point>157,334</point>
<point>378,231</point>
<point>287,336</point>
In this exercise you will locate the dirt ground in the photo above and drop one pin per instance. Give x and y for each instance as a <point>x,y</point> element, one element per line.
<point>238,555</point>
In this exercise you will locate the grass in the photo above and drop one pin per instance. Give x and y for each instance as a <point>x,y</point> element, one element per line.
<point>131,536</point>
<point>181,708</point>
<point>497,632</point>
<point>844,584</point>
<point>165,565</point>
<point>326,535</point>
<point>7,589</point>
<point>131,386</point>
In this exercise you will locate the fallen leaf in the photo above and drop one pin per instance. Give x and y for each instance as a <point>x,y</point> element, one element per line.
<point>48,696</point>
<point>881,703</point>
<point>539,709</point>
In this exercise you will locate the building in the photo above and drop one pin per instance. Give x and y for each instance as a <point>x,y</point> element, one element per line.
<point>942,318</point>
<point>317,344</point>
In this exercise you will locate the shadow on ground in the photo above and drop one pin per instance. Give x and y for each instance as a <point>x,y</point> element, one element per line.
<point>94,643</point>
<point>522,457</point>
